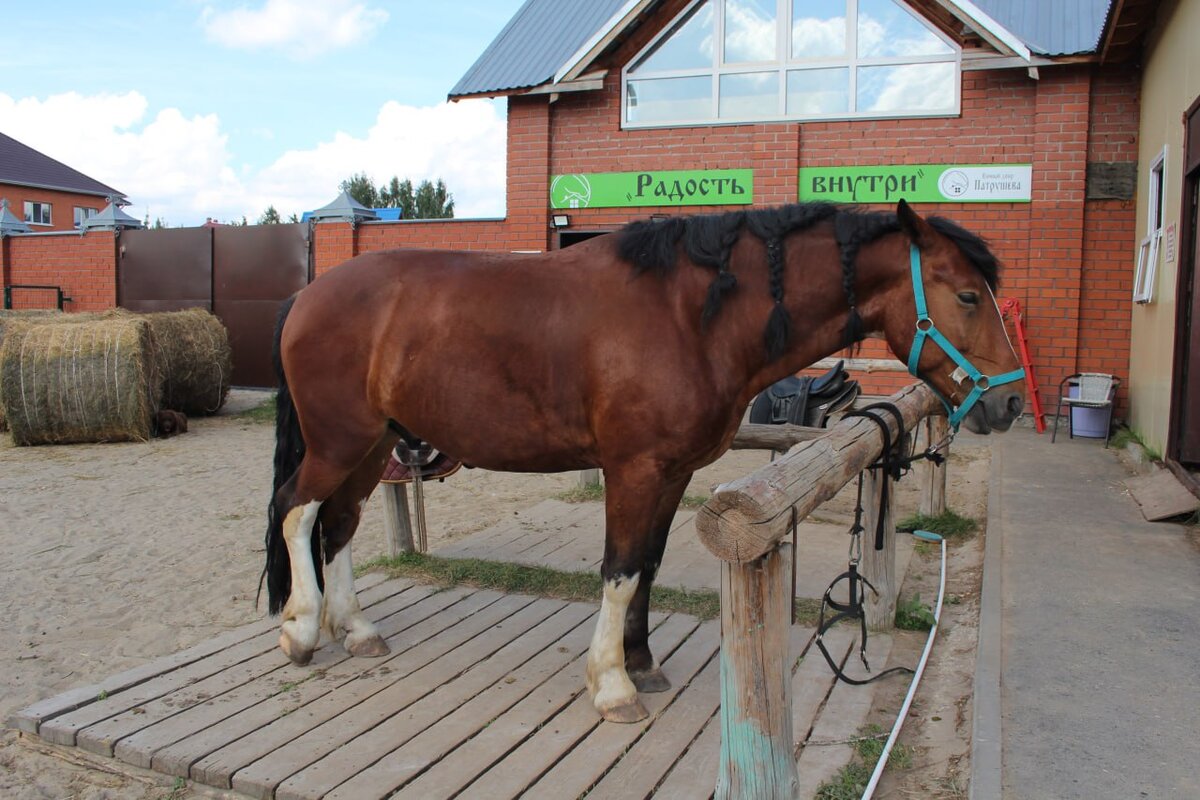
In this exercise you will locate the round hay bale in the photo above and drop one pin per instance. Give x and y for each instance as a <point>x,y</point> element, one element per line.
<point>9,315</point>
<point>79,381</point>
<point>192,348</point>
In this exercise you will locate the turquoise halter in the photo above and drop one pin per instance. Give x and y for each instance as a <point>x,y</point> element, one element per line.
<point>927,330</point>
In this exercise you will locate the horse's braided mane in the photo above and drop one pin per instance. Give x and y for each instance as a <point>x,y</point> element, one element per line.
<point>652,246</point>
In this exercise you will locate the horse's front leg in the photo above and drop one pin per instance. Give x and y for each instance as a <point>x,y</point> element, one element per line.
<point>632,496</point>
<point>640,664</point>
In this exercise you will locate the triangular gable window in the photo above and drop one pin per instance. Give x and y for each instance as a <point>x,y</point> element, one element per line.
<point>726,61</point>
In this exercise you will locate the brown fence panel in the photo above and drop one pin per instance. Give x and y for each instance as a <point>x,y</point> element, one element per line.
<point>165,270</point>
<point>255,268</point>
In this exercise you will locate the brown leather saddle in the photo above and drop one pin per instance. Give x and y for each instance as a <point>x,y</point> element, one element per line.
<point>408,461</point>
<point>805,400</point>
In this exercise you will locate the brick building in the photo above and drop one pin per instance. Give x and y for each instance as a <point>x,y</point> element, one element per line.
<point>47,194</point>
<point>1014,117</point>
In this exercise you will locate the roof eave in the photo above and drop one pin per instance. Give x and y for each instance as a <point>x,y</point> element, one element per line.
<point>70,189</point>
<point>582,58</point>
<point>992,31</point>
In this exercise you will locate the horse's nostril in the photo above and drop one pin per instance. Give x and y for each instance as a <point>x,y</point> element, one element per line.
<point>1016,404</point>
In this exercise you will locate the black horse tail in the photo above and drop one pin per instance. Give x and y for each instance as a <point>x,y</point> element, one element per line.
<point>289,452</point>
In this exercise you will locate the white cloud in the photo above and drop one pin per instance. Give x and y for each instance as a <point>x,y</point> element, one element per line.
<point>181,169</point>
<point>303,28</point>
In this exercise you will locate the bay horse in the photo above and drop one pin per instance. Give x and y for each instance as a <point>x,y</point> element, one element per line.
<point>636,352</point>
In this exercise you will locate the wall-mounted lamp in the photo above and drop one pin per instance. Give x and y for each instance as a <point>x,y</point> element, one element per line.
<point>560,220</point>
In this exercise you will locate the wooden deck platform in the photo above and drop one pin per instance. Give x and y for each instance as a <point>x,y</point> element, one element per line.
<point>482,696</point>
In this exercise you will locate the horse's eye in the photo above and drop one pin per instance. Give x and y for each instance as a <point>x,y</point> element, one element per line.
<point>968,298</point>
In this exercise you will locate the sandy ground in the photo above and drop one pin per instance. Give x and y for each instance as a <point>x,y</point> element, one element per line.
<point>118,554</point>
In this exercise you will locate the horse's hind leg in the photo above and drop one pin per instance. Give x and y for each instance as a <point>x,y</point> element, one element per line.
<point>632,498</point>
<point>342,616</point>
<point>639,661</point>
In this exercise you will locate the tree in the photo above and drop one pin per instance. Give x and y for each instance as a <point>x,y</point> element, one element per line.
<point>362,188</point>
<point>429,201</point>
<point>269,217</point>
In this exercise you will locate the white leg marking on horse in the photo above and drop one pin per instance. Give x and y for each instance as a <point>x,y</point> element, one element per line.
<point>607,680</point>
<point>342,615</point>
<point>300,616</point>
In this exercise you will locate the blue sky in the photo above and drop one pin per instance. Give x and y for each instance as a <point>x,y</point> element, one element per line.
<point>218,108</point>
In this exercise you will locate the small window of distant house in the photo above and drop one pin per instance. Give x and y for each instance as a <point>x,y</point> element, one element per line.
<point>82,213</point>
<point>728,61</point>
<point>1147,260</point>
<point>37,213</point>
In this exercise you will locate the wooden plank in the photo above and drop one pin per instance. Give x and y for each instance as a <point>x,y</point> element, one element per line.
<point>757,758</point>
<point>266,703</point>
<point>813,680</point>
<point>471,708</point>
<point>695,774</point>
<point>576,772</point>
<point>455,770</point>
<point>841,718</point>
<point>540,519</point>
<point>63,728</point>
<point>217,769</point>
<point>379,697</point>
<point>29,718</point>
<point>509,777</point>
<point>779,438</point>
<point>582,523</point>
<point>647,762</point>
<point>173,717</point>
<point>745,518</point>
<point>1160,495</point>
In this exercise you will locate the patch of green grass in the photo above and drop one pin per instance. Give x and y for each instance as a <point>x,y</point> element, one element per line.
<point>848,784</point>
<point>869,747</point>
<point>177,790</point>
<point>574,586</point>
<point>913,615</point>
<point>693,500</point>
<point>592,493</point>
<point>1123,437</point>
<point>949,524</point>
<point>263,413</point>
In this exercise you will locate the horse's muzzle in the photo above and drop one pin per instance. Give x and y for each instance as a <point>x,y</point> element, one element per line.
<point>996,410</point>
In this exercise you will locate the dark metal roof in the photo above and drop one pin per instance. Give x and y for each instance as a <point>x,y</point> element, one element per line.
<point>538,40</point>
<point>544,34</point>
<point>21,164</point>
<point>1052,27</point>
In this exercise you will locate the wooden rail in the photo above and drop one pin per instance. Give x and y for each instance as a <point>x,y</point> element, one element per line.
<point>744,524</point>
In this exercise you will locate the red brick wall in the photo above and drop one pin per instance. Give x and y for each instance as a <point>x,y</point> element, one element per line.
<point>83,265</point>
<point>62,205</point>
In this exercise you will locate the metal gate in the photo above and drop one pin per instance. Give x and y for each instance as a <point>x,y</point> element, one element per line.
<point>240,274</point>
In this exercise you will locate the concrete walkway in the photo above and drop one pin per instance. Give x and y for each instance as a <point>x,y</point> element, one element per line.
<point>1095,625</point>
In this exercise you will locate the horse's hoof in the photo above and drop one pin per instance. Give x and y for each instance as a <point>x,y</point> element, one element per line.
<point>372,647</point>
<point>633,711</point>
<point>650,680</point>
<point>298,655</point>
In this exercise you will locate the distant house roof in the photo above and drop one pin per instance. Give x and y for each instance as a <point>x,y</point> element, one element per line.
<point>1058,28</point>
<point>22,165</point>
<point>545,39</point>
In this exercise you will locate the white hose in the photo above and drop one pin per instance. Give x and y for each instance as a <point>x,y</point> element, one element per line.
<point>912,688</point>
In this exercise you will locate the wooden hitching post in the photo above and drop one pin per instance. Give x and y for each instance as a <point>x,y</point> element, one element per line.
<point>757,746</point>
<point>396,521</point>
<point>879,566</point>
<point>589,477</point>
<point>933,476</point>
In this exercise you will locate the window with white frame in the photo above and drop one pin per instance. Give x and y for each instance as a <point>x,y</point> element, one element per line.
<point>761,60</point>
<point>37,213</point>
<point>1147,259</point>
<point>82,213</point>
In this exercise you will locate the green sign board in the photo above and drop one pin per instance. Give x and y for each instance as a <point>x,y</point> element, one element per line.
<point>706,187</point>
<point>919,183</point>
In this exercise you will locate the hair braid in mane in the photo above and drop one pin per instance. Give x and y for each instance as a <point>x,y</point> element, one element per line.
<point>709,242</point>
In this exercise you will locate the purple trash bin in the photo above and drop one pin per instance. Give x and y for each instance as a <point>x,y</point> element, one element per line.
<point>1090,423</point>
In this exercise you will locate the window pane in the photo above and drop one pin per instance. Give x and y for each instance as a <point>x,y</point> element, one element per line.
<point>751,94</point>
<point>908,88</point>
<point>689,45</point>
<point>811,92</point>
<point>818,28</point>
<point>887,29</point>
<point>750,32</point>
<point>669,100</point>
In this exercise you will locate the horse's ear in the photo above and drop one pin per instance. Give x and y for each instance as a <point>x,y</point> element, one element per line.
<point>912,224</point>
